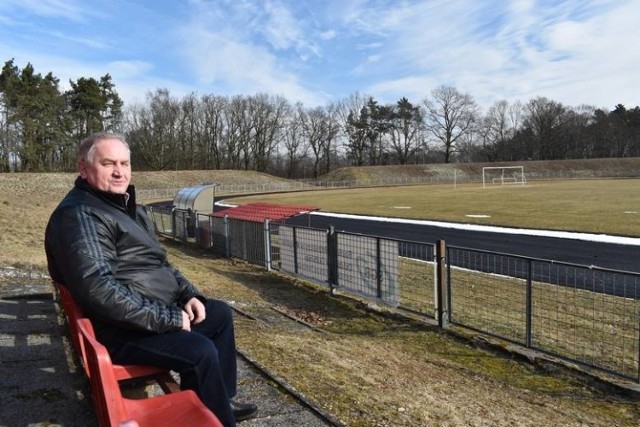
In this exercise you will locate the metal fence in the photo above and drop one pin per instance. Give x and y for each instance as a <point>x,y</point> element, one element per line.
<point>582,314</point>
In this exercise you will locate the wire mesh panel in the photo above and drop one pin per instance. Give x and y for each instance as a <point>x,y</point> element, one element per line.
<point>274,261</point>
<point>162,218</point>
<point>589,315</point>
<point>301,251</point>
<point>246,240</point>
<point>368,266</point>
<point>488,292</point>
<point>204,231</point>
<point>416,277</point>
<point>183,224</point>
<point>219,231</point>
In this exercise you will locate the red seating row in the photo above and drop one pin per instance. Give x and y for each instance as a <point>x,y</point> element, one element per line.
<point>112,409</point>
<point>258,212</point>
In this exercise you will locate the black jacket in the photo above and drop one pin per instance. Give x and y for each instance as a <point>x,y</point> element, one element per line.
<point>103,248</point>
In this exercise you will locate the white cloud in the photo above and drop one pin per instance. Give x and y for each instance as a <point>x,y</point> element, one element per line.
<point>66,9</point>
<point>327,35</point>
<point>130,69</point>
<point>281,27</point>
<point>236,66</point>
<point>89,42</point>
<point>414,88</point>
<point>586,61</point>
<point>515,50</point>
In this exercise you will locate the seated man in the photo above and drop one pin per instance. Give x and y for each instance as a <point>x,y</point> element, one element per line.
<point>102,246</point>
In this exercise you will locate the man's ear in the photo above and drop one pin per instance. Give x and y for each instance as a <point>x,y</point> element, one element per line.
<point>82,168</point>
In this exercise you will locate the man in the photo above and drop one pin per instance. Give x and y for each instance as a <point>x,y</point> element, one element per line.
<point>102,246</point>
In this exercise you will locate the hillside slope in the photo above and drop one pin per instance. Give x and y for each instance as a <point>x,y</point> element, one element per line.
<point>587,168</point>
<point>27,200</point>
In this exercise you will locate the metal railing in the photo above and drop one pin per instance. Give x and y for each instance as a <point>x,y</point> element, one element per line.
<point>582,314</point>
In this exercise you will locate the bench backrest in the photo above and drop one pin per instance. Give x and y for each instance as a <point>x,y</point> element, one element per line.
<point>123,372</point>
<point>105,391</point>
<point>72,312</point>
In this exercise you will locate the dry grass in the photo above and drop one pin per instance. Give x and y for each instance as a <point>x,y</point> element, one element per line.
<point>27,200</point>
<point>371,370</point>
<point>366,369</point>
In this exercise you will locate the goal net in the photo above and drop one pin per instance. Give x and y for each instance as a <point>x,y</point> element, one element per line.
<point>503,175</point>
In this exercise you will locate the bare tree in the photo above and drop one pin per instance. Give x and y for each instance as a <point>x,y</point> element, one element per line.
<point>292,141</point>
<point>499,126</point>
<point>352,114</point>
<point>449,116</point>
<point>268,115</point>
<point>319,129</point>
<point>213,113</point>
<point>404,130</point>
<point>544,122</point>
<point>332,131</point>
<point>153,131</point>
<point>580,136</point>
<point>236,133</point>
<point>188,132</point>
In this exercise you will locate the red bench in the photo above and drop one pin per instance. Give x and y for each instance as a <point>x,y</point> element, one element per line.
<point>122,372</point>
<point>182,408</point>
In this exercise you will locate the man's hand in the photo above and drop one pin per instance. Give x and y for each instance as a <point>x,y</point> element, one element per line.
<point>186,322</point>
<point>195,310</point>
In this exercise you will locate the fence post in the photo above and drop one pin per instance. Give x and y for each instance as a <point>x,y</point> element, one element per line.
<point>196,229</point>
<point>332,259</point>
<point>227,244</point>
<point>211,233</point>
<point>173,222</point>
<point>443,290</point>
<point>378,269</point>
<point>529,314</point>
<point>243,226</point>
<point>294,236</point>
<point>267,245</point>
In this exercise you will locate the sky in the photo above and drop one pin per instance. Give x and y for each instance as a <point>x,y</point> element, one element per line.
<point>576,52</point>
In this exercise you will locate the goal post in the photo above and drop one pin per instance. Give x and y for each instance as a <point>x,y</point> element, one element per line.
<point>503,175</point>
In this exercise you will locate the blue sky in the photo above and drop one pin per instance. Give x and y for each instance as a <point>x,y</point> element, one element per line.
<point>316,51</point>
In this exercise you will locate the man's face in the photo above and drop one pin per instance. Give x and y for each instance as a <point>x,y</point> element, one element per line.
<point>110,168</point>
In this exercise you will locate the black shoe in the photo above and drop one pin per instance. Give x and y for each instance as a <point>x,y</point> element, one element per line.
<point>243,411</point>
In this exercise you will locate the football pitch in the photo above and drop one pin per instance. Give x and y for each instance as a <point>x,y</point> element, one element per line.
<point>601,206</point>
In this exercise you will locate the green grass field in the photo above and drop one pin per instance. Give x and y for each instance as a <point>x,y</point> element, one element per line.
<point>608,206</point>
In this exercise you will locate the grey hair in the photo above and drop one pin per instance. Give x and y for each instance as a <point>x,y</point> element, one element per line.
<point>86,148</point>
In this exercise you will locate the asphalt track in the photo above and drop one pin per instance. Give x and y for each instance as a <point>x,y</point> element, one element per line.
<point>601,252</point>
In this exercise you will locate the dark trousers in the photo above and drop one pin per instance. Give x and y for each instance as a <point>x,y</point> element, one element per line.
<point>205,358</point>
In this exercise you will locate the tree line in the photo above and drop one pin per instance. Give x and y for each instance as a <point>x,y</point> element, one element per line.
<point>40,127</point>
